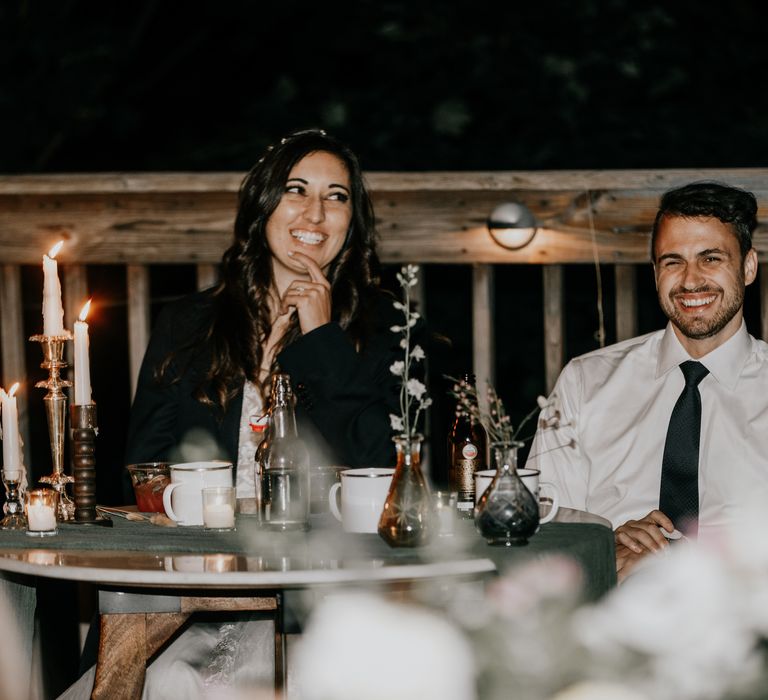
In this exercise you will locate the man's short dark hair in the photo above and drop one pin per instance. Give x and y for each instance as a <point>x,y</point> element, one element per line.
<point>731,205</point>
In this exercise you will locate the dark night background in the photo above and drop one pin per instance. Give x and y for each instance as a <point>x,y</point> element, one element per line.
<point>579,84</point>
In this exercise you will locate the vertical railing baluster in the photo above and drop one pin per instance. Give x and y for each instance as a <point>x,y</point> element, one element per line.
<point>137,279</point>
<point>554,335</point>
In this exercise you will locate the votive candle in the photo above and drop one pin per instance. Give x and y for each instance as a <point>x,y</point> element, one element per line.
<point>40,509</point>
<point>219,515</point>
<point>41,517</point>
<point>219,507</point>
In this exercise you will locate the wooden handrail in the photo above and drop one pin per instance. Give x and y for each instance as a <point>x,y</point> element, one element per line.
<point>422,217</point>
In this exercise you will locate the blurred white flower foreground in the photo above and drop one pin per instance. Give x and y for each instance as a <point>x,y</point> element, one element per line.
<point>361,647</point>
<point>690,624</point>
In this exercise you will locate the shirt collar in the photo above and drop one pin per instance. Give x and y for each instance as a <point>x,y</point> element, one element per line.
<point>724,362</point>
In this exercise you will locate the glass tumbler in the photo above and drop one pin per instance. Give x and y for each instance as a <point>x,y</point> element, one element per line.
<point>446,503</point>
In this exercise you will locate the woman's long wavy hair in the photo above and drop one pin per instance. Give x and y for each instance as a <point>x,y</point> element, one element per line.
<point>242,321</point>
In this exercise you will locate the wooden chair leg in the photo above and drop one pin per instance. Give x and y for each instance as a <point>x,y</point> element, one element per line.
<point>281,661</point>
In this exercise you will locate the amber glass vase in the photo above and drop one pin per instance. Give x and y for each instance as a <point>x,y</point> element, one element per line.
<point>507,513</point>
<point>406,520</point>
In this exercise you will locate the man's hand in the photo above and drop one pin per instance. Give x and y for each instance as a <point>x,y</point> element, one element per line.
<point>626,560</point>
<point>311,299</point>
<point>644,535</point>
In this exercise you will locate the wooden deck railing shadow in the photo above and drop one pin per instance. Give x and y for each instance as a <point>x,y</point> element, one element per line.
<point>137,220</point>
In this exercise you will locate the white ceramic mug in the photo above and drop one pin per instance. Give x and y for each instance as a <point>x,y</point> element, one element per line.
<point>530,478</point>
<point>363,492</point>
<point>183,497</point>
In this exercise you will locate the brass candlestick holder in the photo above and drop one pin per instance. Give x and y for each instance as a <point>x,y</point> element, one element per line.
<point>56,413</point>
<point>84,431</point>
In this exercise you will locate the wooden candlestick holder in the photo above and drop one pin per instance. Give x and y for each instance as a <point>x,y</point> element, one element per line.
<point>84,431</point>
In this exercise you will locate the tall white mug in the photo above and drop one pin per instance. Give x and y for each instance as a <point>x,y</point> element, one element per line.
<point>183,497</point>
<point>363,492</point>
<point>530,478</point>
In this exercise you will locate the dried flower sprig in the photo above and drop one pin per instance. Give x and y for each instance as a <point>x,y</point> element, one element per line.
<point>496,420</point>
<point>413,393</point>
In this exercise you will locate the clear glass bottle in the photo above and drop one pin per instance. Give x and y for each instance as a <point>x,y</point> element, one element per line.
<point>284,465</point>
<point>467,448</point>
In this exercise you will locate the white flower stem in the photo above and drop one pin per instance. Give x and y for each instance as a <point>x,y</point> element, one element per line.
<point>405,401</point>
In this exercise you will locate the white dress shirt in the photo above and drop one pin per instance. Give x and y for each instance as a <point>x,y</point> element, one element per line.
<point>615,407</point>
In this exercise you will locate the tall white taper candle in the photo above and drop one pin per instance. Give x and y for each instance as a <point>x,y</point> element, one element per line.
<point>11,444</point>
<point>53,311</point>
<point>82,363</point>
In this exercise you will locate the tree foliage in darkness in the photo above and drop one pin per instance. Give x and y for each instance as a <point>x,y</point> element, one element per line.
<point>463,85</point>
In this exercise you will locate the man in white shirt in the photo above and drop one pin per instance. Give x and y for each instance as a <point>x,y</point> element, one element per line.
<point>616,402</point>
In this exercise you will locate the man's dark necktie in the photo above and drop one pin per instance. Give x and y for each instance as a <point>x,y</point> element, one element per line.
<point>679,498</point>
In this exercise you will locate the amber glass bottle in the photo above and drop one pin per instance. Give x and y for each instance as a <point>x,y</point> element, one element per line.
<point>467,450</point>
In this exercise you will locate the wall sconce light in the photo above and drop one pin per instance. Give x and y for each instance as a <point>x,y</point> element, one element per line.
<point>512,225</point>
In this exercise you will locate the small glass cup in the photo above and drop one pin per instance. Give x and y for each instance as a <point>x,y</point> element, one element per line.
<point>445,512</point>
<point>321,478</point>
<point>219,508</point>
<point>40,508</point>
<point>149,480</point>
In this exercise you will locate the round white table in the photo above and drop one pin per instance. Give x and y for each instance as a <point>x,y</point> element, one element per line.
<point>150,579</point>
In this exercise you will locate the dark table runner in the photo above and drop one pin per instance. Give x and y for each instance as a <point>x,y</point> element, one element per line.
<point>589,544</point>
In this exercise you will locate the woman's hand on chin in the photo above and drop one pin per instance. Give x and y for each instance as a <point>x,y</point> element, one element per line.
<point>311,298</point>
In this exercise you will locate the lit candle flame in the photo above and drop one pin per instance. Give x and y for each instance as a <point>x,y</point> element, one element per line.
<point>53,252</point>
<point>13,390</point>
<point>84,311</point>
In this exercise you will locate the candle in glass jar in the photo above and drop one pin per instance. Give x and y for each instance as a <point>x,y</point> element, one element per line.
<point>11,442</point>
<point>82,363</point>
<point>219,507</point>
<point>219,515</point>
<point>53,311</point>
<point>41,517</point>
<point>40,509</point>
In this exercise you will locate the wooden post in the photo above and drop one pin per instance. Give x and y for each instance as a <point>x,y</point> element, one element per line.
<point>483,338</point>
<point>207,276</point>
<point>137,277</point>
<point>554,351</point>
<point>75,295</point>
<point>12,344</point>
<point>626,301</point>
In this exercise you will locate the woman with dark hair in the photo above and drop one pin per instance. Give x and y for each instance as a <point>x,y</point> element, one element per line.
<point>299,292</point>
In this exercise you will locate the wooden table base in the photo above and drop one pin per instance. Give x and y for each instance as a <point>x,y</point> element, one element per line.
<point>130,639</point>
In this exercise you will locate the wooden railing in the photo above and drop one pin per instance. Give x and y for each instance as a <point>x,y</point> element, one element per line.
<point>137,220</point>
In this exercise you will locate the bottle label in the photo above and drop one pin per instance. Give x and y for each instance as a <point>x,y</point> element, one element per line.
<point>465,480</point>
<point>469,451</point>
<point>258,423</point>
